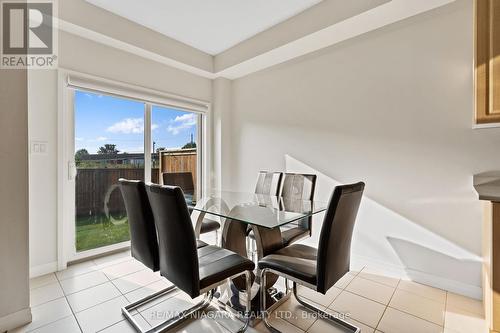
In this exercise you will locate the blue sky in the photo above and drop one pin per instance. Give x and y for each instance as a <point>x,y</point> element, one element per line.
<point>102,119</point>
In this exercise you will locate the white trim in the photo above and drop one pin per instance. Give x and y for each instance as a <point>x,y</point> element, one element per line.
<point>135,92</point>
<point>15,320</point>
<point>120,45</point>
<point>483,126</point>
<point>404,273</point>
<point>40,270</point>
<point>378,17</point>
<point>147,142</point>
<point>100,250</point>
<point>61,171</point>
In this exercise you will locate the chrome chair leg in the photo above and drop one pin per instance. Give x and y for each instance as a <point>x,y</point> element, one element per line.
<point>142,301</point>
<point>349,327</point>
<point>186,314</point>
<point>323,314</point>
<point>169,323</point>
<point>287,289</point>
<point>263,296</point>
<point>248,303</point>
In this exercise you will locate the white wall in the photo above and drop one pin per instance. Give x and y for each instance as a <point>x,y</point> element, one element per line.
<point>42,106</point>
<point>393,108</point>
<point>14,288</point>
<point>221,133</point>
<point>82,55</point>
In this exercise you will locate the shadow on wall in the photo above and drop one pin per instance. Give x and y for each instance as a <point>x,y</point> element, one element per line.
<point>417,259</point>
<point>387,241</point>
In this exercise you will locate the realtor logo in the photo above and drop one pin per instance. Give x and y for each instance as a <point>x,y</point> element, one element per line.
<point>28,34</point>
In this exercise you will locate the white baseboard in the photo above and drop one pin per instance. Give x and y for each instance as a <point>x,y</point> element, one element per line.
<point>15,320</point>
<point>40,270</point>
<point>401,272</point>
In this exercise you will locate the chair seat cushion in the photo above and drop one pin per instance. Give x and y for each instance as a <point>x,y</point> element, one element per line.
<point>293,234</point>
<point>217,264</point>
<point>208,225</point>
<point>297,261</point>
<point>200,243</point>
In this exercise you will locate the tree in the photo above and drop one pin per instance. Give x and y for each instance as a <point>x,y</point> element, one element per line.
<point>108,149</point>
<point>189,145</point>
<point>80,153</point>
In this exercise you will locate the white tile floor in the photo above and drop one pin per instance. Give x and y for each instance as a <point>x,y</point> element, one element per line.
<point>88,297</point>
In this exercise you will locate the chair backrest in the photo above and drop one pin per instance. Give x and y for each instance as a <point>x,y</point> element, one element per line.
<point>176,237</point>
<point>182,179</point>
<point>334,250</point>
<point>299,187</point>
<point>143,237</point>
<point>268,183</point>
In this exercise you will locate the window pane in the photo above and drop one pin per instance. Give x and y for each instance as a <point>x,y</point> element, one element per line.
<point>174,155</point>
<point>109,144</point>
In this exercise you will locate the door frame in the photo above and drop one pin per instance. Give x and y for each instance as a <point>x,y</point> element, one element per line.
<point>66,170</point>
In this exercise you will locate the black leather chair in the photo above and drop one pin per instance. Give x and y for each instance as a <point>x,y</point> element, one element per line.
<point>319,269</point>
<point>194,271</point>
<point>185,181</point>
<point>143,237</point>
<point>297,187</point>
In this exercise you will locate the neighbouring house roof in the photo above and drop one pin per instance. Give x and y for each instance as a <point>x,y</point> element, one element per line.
<point>114,157</point>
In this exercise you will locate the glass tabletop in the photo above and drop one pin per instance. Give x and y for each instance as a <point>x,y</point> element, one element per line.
<point>256,209</point>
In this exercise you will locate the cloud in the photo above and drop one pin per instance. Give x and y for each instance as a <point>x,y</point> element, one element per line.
<point>79,139</point>
<point>128,126</point>
<point>180,123</point>
<point>101,138</point>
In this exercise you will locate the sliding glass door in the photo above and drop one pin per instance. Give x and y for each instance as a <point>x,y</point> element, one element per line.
<point>109,144</point>
<point>174,160</point>
<point>115,138</point>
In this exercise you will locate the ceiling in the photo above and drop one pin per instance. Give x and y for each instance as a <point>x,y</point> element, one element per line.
<point>211,26</point>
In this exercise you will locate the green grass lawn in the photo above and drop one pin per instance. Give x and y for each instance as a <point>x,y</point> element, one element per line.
<point>97,231</point>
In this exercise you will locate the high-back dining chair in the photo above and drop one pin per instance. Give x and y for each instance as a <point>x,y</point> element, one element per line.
<point>182,179</point>
<point>194,271</point>
<point>319,269</point>
<point>185,181</point>
<point>297,187</point>
<point>268,183</point>
<point>143,238</point>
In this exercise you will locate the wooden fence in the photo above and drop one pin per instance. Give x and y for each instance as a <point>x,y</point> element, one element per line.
<point>184,160</point>
<point>97,191</point>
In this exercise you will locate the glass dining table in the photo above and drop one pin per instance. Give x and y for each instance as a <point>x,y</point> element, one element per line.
<point>258,217</point>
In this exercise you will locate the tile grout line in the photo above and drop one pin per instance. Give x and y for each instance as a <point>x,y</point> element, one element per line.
<point>69,305</point>
<point>52,322</point>
<point>416,316</point>
<point>413,315</point>
<point>65,296</point>
<point>445,308</point>
<point>387,305</point>
<point>76,292</point>
<point>95,267</point>
<point>341,290</point>
<point>328,306</point>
